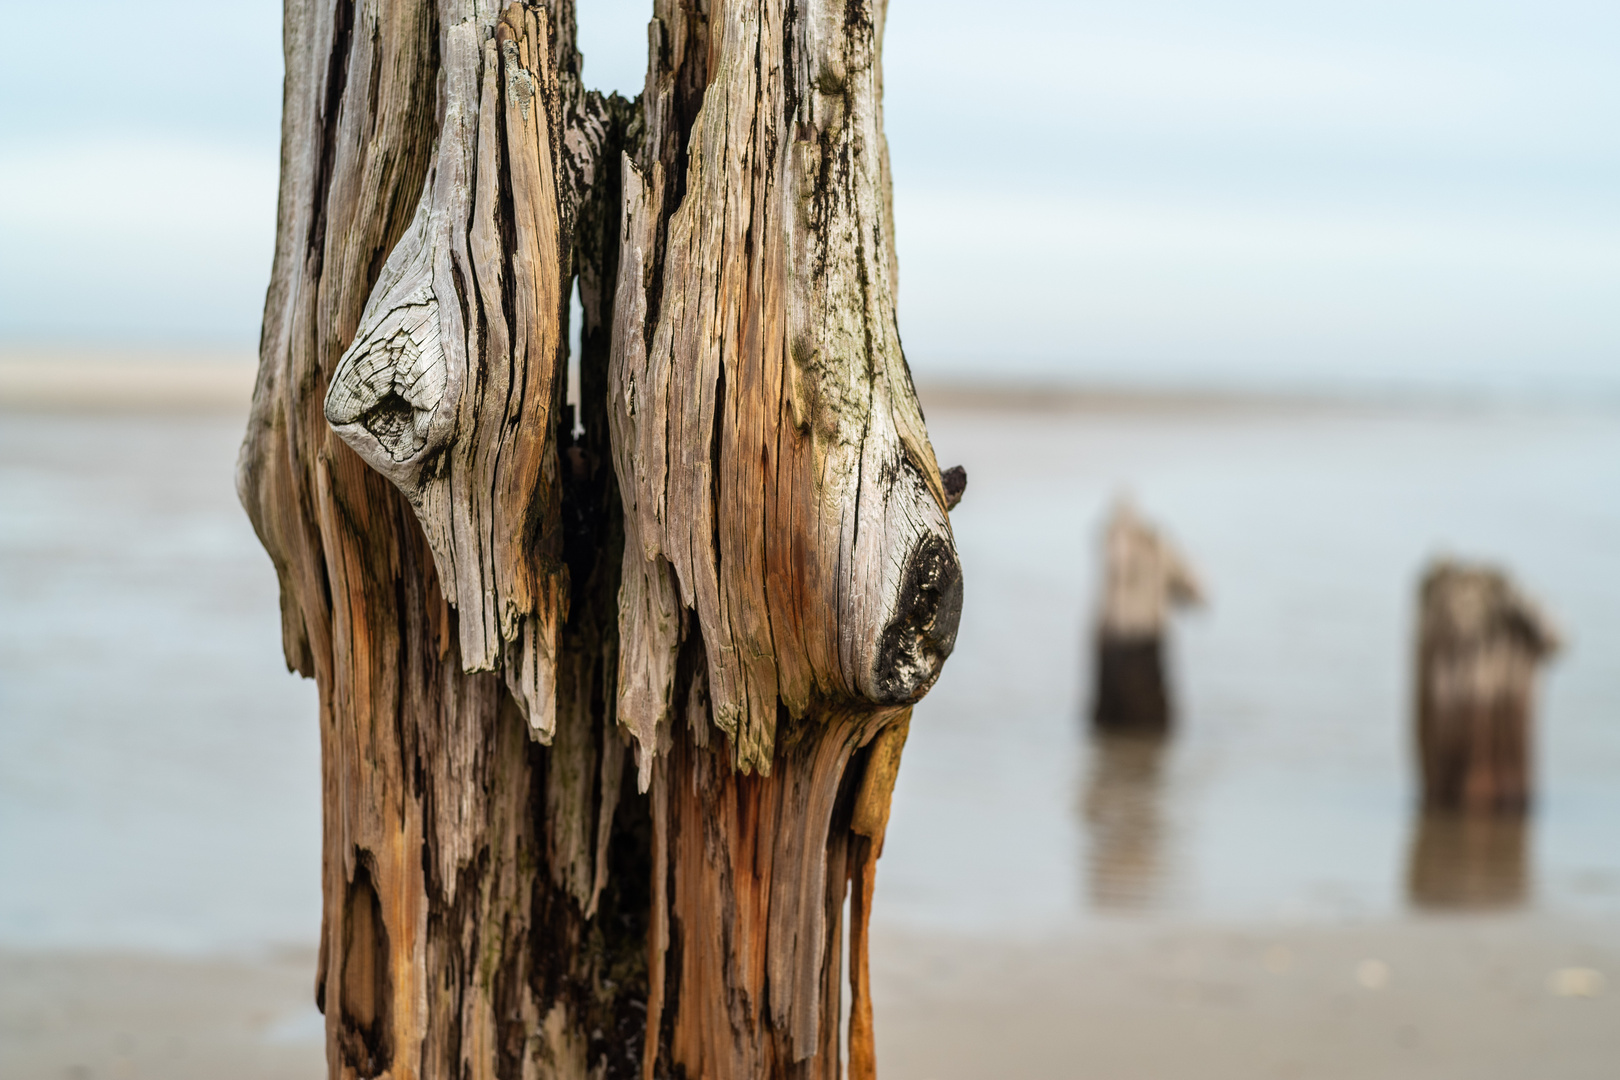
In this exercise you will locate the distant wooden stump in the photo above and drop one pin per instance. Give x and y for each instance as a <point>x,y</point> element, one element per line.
<point>1144,576</point>
<point>1479,646</point>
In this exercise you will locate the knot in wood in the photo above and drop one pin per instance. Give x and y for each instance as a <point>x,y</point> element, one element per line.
<point>392,380</point>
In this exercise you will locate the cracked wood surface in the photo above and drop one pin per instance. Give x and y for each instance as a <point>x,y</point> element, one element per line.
<point>789,574</point>
<point>769,443</point>
<point>448,387</point>
<point>733,558</point>
<point>424,252</point>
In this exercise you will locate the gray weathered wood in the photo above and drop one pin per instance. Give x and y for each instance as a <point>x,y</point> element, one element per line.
<point>773,447</point>
<point>789,573</point>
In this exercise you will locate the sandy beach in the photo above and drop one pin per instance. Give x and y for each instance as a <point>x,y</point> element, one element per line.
<point>88,1016</point>
<point>1482,999</point>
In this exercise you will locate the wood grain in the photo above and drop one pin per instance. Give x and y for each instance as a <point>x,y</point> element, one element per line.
<point>732,556</point>
<point>789,573</point>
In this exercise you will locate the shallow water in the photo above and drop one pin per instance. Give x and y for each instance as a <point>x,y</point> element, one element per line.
<point>1288,789</point>
<point>158,767</point>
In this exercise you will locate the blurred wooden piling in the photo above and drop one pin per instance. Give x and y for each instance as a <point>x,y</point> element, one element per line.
<point>1144,576</point>
<point>1480,643</point>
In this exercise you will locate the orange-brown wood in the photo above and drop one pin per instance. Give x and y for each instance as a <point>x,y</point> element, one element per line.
<point>609,691</point>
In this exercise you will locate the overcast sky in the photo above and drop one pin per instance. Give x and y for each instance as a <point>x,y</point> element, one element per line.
<point>1206,191</point>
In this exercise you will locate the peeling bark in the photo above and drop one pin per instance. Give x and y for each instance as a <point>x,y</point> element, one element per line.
<point>611,701</point>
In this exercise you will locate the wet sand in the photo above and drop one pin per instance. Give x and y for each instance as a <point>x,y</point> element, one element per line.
<point>1431,999</point>
<point>1482,998</point>
<point>87,1016</point>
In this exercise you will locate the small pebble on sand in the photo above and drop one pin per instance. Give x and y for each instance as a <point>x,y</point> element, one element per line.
<point>1576,982</point>
<point>1372,974</point>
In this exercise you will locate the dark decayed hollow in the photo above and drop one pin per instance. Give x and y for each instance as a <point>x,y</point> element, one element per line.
<point>954,481</point>
<point>922,633</point>
<point>363,1036</point>
<point>392,421</point>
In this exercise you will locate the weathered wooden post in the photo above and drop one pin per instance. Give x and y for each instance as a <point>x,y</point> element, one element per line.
<point>610,705</point>
<point>1480,642</point>
<point>1143,578</point>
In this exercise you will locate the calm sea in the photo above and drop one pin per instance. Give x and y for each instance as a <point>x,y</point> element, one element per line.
<point>158,766</point>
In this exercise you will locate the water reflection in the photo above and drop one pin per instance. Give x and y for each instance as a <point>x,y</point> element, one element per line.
<point>1469,861</point>
<point>1125,821</point>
